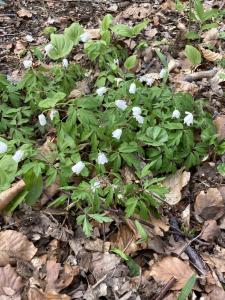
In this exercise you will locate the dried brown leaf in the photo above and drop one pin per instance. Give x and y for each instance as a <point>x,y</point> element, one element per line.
<point>210,55</point>
<point>19,47</point>
<point>37,294</point>
<point>82,88</point>
<point>219,122</point>
<point>210,230</point>
<point>93,33</point>
<point>175,183</point>
<point>49,192</point>
<point>7,196</point>
<point>137,11</point>
<point>209,205</point>
<point>14,245</point>
<point>210,35</point>
<point>10,282</point>
<point>150,33</point>
<point>24,13</point>
<point>168,267</point>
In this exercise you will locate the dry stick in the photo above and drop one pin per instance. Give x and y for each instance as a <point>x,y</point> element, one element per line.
<point>200,75</point>
<point>166,288</point>
<point>195,259</point>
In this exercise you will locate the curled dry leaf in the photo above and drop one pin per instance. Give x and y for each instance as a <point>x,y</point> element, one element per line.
<point>7,196</point>
<point>185,216</point>
<point>19,47</point>
<point>188,87</point>
<point>49,192</point>
<point>175,183</point>
<point>209,205</point>
<point>168,267</point>
<point>82,88</point>
<point>136,12</point>
<point>210,55</point>
<point>37,294</point>
<point>14,245</point>
<point>216,260</point>
<point>93,33</point>
<point>24,13</point>
<point>10,283</point>
<point>210,35</point>
<point>173,63</point>
<point>210,231</point>
<point>219,122</point>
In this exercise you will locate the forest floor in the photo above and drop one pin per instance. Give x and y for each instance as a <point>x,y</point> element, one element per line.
<point>44,254</point>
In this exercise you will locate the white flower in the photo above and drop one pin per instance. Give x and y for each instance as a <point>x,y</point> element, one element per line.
<point>102,159</point>
<point>95,185</point>
<point>3,147</point>
<point>65,63</point>
<point>162,73</point>
<point>52,114</point>
<point>48,48</point>
<point>120,196</point>
<point>101,91</point>
<point>132,88</point>
<point>118,80</point>
<point>139,119</point>
<point>116,61</point>
<point>42,120</point>
<point>27,63</point>
<point>149,81</point>
<point>18,156</point>
<point>136,111</point>
<point>29,38</point>
<point>84,37</point>
<point>117,133</point>
<point>188,119</point>
<point>78,167</point>
<point>121,104</point>
<point>176,114</point>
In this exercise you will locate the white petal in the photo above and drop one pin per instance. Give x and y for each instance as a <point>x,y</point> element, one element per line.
<point>139,119</point>
<point>84,37</point>
<point>29,38</point>
<point>78,167</point>
<point>48,48</point>
<point>18,156</point>
<point>102,159</point>
<point>3,147</point>
<point>65,63</point>
<point>121,104</point>
<point>42,120</point>
<point>117,133</point>
<point>132,88</point>
<point>136,111</point>
<point>27,63</point>
<point>162,73</point>
<point>95,185</point>
<point>52,114</point>
<point>101,91</point>
<point>188,120</point>
<point>176,114</point>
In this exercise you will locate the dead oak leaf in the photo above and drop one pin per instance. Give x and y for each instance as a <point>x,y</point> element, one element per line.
<point>209,205</point>
<point>10,283</point>
<point>7,196</point>
<point>210,55</point>
<point>219,122</point>
<point>168,267</point>
<point>37,294</point>
<point>24,13</point>
<point>175,183</point>
<point>210,231</point>
<point>14,245</point>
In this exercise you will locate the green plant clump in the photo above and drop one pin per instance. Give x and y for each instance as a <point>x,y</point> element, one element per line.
<point>93,140</point>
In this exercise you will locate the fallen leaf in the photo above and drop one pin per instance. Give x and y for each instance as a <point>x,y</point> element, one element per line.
<point>168,267</point>
<point>216,260</point>
<point>219,122</point>
<point>136,11</point>
<point>173,63</point>
<point>7,196</point>
<point>82,88</point>
<point>210,35</point>
<point>160,224</point>
<point>150,33</point>
<point>14,245</point>
<point>49,192</point>
<point>210,55</point>
<point>93,33</point>
<point>19,47</point>
<point>210,230</point>
<point>24,13</point>
<point>10,283</point>
<point>97,245</point>
<point>188,87</point>
<point>185,216</point>
<point>175,183</point>
<point>38,294</point>
<point>209,205</point>
<point>103,263</point>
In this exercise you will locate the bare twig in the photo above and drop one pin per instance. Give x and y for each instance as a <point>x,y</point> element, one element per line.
<point>200,75</point>
<point>166,288</point>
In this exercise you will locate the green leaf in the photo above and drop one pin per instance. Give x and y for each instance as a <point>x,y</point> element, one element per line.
<point>106,22</point>
<point>49,30</point>
<point>122,30</point>
<point>221,169</point>
<point>131,204</point>
<point>128,147</point>
<point>20,198</point>
<point>155,136</point>
<point>130,62</point>
<point>34,187</point>
<point>141,231</point>
<point>133,267</point>
<point>209,14</point>
<point>193,55</point>
<point>100,218</point>
<point>52,100</point>
<point>8,168</point>
<point>73,33</point>
<point>87,227</point>
<point>139,27</point>
<point>199,10</point>
<point>185,292</point>
<point>62,46</point>
<point>4,180</point>
<point>191,35</point>
<point>120,253</point>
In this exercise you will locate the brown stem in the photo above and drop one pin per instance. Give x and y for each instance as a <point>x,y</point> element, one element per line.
<point>166,288</point>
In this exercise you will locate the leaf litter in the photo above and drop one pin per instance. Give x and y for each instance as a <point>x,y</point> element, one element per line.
<point>65,264</point>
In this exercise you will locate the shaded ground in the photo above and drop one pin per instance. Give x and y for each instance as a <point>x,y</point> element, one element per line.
<point>59,262</point>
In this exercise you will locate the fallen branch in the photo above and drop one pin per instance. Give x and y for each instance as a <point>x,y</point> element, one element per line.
<point>195,259</point>
<point>200,75</point>
<point>7,196</point>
